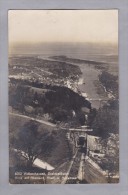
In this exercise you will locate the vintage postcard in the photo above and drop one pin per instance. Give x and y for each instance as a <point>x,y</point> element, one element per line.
<point>63,96</point>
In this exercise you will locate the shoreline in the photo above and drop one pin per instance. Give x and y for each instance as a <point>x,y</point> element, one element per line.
<point>84,84</point>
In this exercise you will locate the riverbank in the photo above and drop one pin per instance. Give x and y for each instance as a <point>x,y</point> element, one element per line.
<point>90,86</point>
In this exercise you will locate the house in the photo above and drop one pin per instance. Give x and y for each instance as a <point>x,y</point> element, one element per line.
<point>93,143</point>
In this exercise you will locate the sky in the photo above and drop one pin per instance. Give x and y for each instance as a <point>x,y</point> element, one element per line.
<point>34,26</point>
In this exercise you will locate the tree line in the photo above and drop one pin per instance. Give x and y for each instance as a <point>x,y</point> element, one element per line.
<point>59,102</point>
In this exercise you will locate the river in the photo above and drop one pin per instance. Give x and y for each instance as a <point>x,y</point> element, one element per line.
<point>90,86</point>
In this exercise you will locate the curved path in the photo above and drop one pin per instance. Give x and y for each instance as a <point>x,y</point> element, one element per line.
<point>34,119</point>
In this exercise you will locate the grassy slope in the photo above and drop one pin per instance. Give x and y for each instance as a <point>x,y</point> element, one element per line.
<point>62,151</point>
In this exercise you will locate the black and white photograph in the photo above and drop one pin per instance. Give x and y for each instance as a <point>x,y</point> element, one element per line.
<point>63,88</point>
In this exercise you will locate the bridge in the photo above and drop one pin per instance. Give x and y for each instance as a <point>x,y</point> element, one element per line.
<point>79,130</point>
<point>94,99</point>
<point>100,100</point>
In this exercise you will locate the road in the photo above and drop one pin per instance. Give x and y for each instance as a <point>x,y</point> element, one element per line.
<point>31,118</point>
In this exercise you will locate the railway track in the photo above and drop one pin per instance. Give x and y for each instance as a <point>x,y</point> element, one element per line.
<point>74,169</point>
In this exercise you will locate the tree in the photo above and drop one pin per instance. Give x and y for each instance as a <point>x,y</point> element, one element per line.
<point>59,114</point>
<point>110,82</point>
<point>30,142</point>
<point>111,160</point>
<point>81,118</point>
<point>105,122</point>
<point>91,116</point>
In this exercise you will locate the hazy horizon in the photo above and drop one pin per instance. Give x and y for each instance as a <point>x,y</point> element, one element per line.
<point>60,42</point>
<point>98,52</point>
